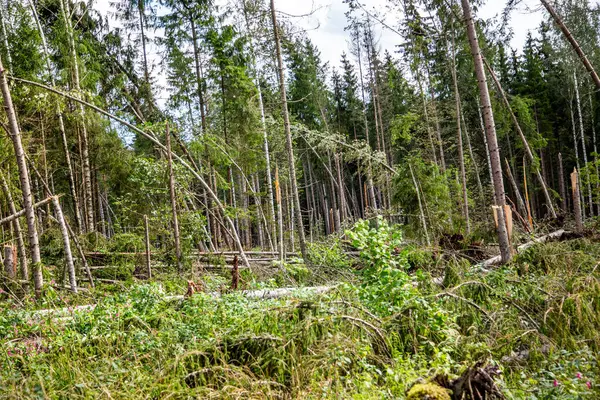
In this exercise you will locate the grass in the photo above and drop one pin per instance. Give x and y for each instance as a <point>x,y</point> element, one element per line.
<point>371,338</point>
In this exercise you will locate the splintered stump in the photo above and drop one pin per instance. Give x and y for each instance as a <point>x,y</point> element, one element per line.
<point>10,262</point>
<point>476,383</point>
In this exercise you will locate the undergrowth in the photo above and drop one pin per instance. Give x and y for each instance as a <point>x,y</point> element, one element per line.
<point>388,325</point>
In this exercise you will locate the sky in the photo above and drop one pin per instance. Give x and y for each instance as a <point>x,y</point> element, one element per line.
<point>324,22</point>
<point>325,26</point>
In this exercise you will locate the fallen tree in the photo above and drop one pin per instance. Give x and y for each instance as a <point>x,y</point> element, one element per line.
<point>261,294</point>
<point>557,235</point>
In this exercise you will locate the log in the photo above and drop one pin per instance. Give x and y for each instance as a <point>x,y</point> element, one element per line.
<point>542,239</point>
<point>251,294</point>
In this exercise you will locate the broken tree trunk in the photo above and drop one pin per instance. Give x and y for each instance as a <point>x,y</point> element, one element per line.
<point>18,232</point>
<point>490,130</point>
<point>558,20</point>
<point>576,200</point>
<point>29,211</point>
<point>10,265</point>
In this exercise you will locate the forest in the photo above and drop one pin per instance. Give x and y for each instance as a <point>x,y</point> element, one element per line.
<point>194,203</point>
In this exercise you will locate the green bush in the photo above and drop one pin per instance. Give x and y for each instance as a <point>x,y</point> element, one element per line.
<point>126,243</point>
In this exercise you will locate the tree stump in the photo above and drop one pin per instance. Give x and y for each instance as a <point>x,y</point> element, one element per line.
<point>10,261</point>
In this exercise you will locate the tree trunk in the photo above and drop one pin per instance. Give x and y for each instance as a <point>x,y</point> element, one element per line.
<point>15,136</point>
<point>5,36</point>
<point>426,115</point>
<point>140,4</point>
<point>173,197</point>
<point>490,130</point>
<point>520,203</point>
<point>154,140</point>
<point>576,147</point>
<point>70,266</point>
<point>436,120</point>
<point>85,157</point>
<point>10,263</point>
<point>147,243</point>
<point>576,200</point>
<point>280,246</point>
<point>524,141</point>
<point>472,155</point>
<point>595,153</point>
<point>561,183</point>
<point>17,226</point>
<point>421,211</point>
<point>288,134</point>
<point>198,73</point>
<point>558,20</point>
<point>459,143</point>
<point>585,159</point>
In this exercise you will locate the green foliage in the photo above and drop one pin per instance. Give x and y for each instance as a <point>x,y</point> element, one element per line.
<point>126,243</point>
<point>378,242</point>
<point>122,272</point>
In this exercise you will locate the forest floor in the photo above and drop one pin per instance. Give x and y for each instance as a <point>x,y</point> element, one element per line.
<point>386,324</point>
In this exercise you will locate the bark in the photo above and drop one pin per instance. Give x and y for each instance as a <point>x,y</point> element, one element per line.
<point>427,122</point>
<point>141,16</point>
<point>288,135</point>
<point>595,152</point>
<point>17,227</point>
<point>459,143</point>
<point>29,210</point>
<point>159,145</point>
<point>527,202</point>
<point>147,242</point>
<point>19,214</point>
<point>85,157</point>
<point>490,129</point>
<point>280,245</point>
<point>473,160</point>
<point>520,203</point>
<point>561,183</point>
<point>421,211</point>
<point>173,197</point>
<point>10,263</point>
<point>272,226</point>
<point>436,120</point>
<point>528,151</point>
<point>198,72</point>
<point>576,200</point>
<point>542,239</point>
<point>487,153</point>
<point>576,155</point>
<point>70,266</point>
<point>585,159</point>
<point>5,36</point>
<point>558,20</point>
<point>340,188</point>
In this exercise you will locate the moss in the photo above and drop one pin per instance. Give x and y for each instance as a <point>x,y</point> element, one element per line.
<point>428,391</point>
